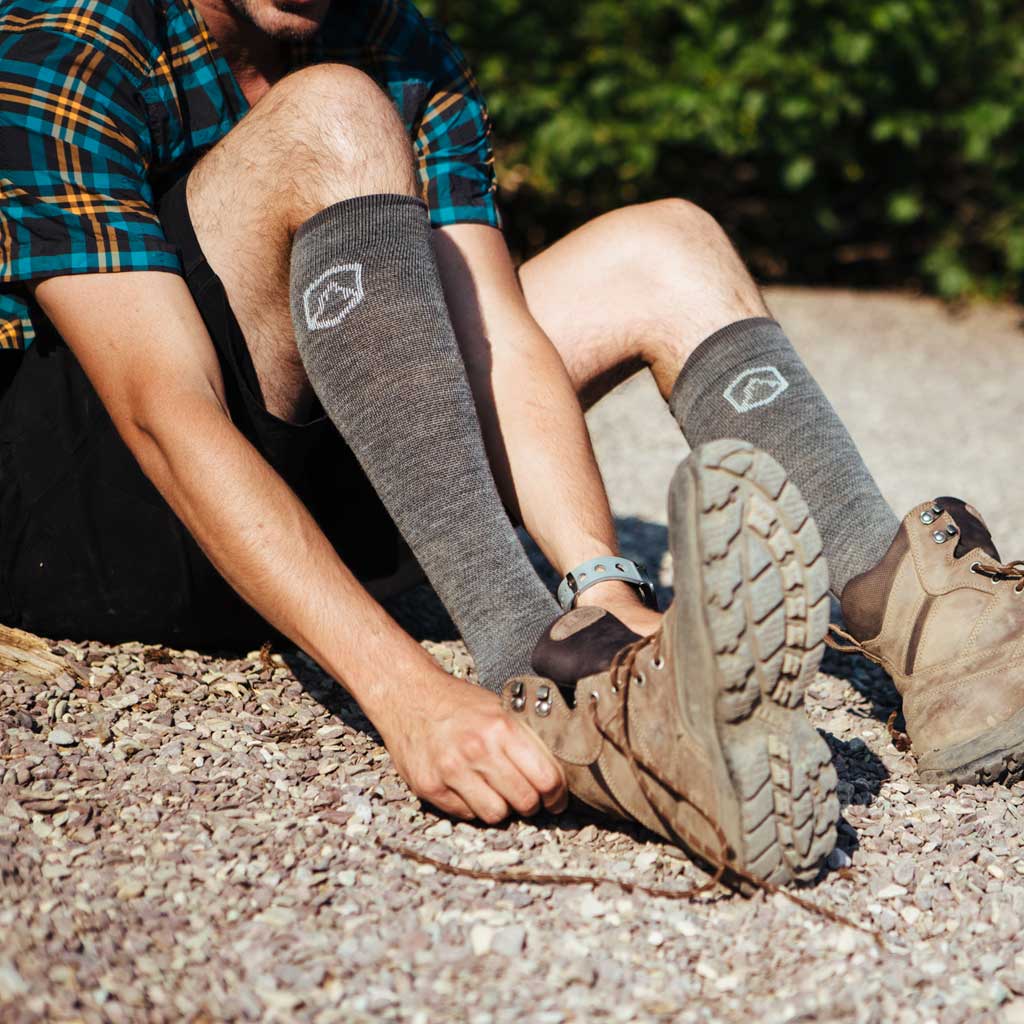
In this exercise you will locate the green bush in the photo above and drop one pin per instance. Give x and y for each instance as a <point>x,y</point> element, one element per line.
<point>862,141</point>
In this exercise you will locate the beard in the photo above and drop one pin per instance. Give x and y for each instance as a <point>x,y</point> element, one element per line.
<point>255,11</point>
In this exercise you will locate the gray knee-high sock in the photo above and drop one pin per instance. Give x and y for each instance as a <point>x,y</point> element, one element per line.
<point>747,381</point>
<point>376,340</point>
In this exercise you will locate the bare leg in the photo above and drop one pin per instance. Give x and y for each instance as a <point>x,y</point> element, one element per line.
<point>320,136</point>
<point>641,286</point>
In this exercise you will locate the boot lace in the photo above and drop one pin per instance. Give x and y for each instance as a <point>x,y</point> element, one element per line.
<point>623,676</point>
<point>1002,573</point>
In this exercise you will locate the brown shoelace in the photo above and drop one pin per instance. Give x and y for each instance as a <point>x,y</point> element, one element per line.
<point>1002,573</point>
<point>623,678</point>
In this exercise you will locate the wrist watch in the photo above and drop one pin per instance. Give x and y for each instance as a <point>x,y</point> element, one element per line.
<point>603,570</point>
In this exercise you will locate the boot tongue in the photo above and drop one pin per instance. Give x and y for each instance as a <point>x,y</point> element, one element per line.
<point>580,643</point>
<point>973,531</point>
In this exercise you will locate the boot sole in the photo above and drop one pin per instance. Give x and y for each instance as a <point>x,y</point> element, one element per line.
<point>997,755</point>
<point>751,634</point>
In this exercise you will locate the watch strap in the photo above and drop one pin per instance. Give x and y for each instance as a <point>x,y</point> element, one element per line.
<point>603,570</point>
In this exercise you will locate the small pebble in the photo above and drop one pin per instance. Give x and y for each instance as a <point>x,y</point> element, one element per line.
<point>839,858</point>
<point>891,892</point>
<point>509,941</point>
<point>903,871</point>
<point>14,810</point>
<point>499,858</point>
<point>130,888</point>
<point>480,939</point>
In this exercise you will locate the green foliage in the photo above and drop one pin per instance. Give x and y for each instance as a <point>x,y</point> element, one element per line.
<point>867,141</point>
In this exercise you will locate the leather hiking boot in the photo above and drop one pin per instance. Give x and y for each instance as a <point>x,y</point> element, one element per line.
<point>698,732</point>
<point>945,619</point>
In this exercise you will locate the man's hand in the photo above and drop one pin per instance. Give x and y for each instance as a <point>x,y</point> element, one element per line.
<point>458,749</point>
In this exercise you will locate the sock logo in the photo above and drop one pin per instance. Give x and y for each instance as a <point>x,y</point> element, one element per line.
<point>754,388</point>
<point>333,295</point>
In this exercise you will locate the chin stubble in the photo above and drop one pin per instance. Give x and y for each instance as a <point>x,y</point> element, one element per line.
<point>248,10</point>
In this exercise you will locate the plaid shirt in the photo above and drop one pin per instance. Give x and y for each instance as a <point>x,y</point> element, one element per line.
<point>99,99</point>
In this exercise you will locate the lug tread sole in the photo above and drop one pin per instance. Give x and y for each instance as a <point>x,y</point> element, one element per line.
<point>765,586</point>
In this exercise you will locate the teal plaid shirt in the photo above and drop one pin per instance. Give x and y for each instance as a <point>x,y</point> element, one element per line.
<point>99,99</point>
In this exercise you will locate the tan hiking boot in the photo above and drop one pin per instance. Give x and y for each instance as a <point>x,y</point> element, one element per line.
<point>698,731</point>
<point>945,619</point>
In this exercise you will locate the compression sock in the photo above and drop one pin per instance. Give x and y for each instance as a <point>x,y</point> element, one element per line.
<point>376,340</point>
<point>747,381</point>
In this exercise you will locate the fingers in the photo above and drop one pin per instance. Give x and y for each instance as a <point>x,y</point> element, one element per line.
<point>451,803</point>
<point>502,775</point>
<point>490,767</point>
<point>486,803</point>
<point>539,768</point>
<point>518,770</point>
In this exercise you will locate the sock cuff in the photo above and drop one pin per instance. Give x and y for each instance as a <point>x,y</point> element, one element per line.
<point>720,354</point>
<point>383,218</point>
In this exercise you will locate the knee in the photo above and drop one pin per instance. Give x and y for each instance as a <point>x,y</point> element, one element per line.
<point>682,251</point>
<point>671,231</point>
<point>336,119</point>
<point>679,258</point>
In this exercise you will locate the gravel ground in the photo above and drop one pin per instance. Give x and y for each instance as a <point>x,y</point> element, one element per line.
<point>199,839</point>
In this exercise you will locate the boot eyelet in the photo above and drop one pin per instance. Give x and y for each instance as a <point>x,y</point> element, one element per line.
<point>543,705</point>
<point>641,679</point>
<point>594,696</point>
<point>940,536</point>
<point>658,664</point>
<point>975,566</point>
<point>518,696</point>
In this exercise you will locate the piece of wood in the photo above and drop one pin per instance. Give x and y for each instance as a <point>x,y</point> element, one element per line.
<point>26,652</point>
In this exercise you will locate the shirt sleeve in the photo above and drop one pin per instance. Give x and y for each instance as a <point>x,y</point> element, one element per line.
<point>74,149</point>
<point>454,145</point>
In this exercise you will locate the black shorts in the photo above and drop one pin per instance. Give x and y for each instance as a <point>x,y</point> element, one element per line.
<point>88,547</point>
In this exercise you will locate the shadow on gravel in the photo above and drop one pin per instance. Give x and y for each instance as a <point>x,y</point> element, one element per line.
<point>420,613</point>
<point>326,692</point>
<point>646,542</point>
<point>868,679</point>
<point>861,777</point>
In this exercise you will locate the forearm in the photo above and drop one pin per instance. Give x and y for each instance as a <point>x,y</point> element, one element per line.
<point>550,470</point>
<point>547,471</point>
<point>531,418</point>
<point>265,543</point>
